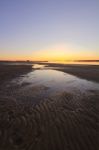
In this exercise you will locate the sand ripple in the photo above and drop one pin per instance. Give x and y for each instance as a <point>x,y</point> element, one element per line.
<point>63,122</point>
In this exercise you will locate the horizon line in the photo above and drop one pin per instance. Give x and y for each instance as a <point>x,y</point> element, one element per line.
<point>83,60</point>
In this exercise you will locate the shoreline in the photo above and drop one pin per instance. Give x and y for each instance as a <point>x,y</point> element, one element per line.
<point>88,72</point>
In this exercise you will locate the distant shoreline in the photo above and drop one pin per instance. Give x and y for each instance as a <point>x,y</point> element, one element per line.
<point>30,61</point>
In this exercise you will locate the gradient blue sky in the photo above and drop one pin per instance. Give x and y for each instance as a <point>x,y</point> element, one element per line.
<point>36,29</point>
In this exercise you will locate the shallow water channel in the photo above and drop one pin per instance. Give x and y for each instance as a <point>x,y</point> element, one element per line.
<point>55,81</point>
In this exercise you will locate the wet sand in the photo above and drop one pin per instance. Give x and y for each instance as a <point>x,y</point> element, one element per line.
<point>89,72</point>
<point>8,72</point>
<point>64,121</point>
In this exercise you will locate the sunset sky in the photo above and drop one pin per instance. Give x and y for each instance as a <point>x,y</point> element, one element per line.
<point>49,29</point>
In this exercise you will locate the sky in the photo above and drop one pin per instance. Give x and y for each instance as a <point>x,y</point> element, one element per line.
<point>49,29</point>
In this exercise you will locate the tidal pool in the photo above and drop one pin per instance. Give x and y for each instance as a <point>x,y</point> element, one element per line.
<point>56,81</point>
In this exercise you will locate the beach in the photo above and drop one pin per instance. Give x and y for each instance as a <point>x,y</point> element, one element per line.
<point>8,72</point>
<point>32,118</point>
<point>89,72</point>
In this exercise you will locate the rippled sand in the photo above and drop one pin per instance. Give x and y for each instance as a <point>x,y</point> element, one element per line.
<point>62,122</point>
<point>29,120</point>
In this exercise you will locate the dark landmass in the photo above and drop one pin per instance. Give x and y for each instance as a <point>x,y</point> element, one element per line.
<point>20,61</point>
<point>86,60</point>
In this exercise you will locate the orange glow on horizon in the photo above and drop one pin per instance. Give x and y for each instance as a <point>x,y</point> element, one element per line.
<point>48,58</point>
<point>59,52</point>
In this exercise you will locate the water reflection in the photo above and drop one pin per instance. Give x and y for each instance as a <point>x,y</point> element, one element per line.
<point>57,81</point>
<point>38,66</point>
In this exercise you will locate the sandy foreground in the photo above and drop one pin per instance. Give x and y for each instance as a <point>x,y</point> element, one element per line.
<point>30,121</point>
